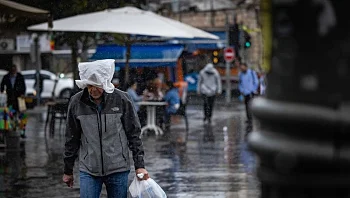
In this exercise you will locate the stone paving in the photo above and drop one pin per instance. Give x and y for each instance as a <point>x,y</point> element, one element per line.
<point>206,161</point>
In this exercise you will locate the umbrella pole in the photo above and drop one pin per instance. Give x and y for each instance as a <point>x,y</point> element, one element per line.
<point>128,55</point>
<point>74,48</point>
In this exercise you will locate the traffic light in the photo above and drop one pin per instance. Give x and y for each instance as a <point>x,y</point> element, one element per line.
<point>247,42</point>
<point>215,57</point>
<point>234,36</point>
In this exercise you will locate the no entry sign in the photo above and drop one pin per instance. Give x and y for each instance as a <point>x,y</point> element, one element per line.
<point>229,54</point>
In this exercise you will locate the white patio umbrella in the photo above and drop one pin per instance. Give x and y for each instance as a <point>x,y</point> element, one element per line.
<point>126,20</point>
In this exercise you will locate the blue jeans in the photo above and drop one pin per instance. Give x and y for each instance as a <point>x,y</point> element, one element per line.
<point>116,185</point>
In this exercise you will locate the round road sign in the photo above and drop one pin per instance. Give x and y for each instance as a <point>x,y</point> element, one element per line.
<point>229,54</point>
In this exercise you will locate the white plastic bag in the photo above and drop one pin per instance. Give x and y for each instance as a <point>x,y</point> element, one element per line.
<point>98,73</point>
<point>3,100</point>
<point>21,104</point>
<point>146,189</point>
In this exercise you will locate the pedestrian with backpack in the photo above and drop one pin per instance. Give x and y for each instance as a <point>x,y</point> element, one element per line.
<point>248,86</point>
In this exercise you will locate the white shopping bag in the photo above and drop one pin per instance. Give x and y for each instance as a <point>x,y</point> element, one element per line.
<point>3,100</point>
<point>21,104</point>
<point>146,189</point>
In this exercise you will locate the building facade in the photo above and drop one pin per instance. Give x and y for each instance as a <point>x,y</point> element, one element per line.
<point>212,16</point>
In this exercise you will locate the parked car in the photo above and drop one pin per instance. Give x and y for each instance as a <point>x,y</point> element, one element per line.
<point>62,86</point>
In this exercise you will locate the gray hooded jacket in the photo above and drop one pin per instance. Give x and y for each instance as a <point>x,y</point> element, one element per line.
<point>209,81</point>
<point>102,138</point>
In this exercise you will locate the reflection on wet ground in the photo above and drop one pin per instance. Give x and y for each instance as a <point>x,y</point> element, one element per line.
<point>206,161</point>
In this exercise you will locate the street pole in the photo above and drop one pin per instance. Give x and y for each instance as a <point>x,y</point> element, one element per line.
<point>37,64</point>
<point>228,71</point>
<point>35,58</point>
<point>241,40</point>
<point>303,140</point>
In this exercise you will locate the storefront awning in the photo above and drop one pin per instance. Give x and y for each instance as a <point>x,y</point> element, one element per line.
<point>18,9</point>
<point>192,45</point>
<point>157,55</point>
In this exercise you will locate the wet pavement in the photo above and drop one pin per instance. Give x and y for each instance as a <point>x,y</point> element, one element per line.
<point>206,161</point>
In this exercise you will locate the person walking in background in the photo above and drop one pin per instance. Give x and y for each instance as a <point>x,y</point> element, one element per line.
<point>154,90</point>
<point>15,87</point>
<point>209,85</point>
<point>173,99</point>
<point>41,83</point>
<point>248,86</point>
<point>102,125</point>
<point>132,87</point>
<point>262,84</point>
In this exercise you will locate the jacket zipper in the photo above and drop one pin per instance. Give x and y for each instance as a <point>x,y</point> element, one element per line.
<point>100,134</point>
<point>86,155</point>
<point>121,144</point>
<point>87,151</point>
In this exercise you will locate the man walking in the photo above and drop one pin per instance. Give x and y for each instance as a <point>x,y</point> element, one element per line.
<point>248,86</point>
<point>15,87</point>
<point>102,125</point>
<point>209,84</point>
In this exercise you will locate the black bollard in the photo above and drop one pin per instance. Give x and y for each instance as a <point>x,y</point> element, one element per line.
<point>303,143</point>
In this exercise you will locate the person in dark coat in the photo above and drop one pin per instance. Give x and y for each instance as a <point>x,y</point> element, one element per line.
<point>102,126</point>
<point>15,87</point>
<point>41,83</point>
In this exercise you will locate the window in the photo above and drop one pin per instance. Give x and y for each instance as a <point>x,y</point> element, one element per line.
<point>29,76</point>
<point>45,77</point>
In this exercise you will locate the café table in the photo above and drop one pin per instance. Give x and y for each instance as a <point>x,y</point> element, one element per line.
<point>56,109</point>
<point>151,116</point>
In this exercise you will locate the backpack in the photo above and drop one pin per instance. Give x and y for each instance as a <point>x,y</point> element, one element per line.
<point>254,81</point>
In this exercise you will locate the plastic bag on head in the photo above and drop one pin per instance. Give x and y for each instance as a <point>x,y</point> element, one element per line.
<point>97,73</point>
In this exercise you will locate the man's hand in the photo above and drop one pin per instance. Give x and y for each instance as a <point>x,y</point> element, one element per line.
<point>144,171</point>
<point>69,180</point>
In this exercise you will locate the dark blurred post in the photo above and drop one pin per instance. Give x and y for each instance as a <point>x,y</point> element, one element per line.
<point>38,68</point>
<point>128,44</point>
<point>232,35</point>
<point>304,140</point>
<point>35,57</point>
<point>227,64</point>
